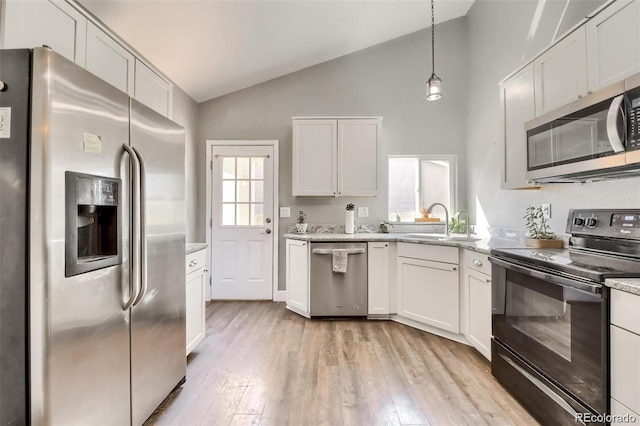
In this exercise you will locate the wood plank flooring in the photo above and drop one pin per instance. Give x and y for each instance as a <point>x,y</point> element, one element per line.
<point>261,364</point>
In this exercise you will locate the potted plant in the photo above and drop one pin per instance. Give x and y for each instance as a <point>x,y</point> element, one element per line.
<point>301,226</point>
<point>540,234</point>
<point>349,219</point>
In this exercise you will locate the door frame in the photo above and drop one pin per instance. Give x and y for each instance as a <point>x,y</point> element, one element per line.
<point>277,295</point>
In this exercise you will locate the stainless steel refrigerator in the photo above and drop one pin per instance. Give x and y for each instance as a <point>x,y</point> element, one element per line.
<point>92,248</point>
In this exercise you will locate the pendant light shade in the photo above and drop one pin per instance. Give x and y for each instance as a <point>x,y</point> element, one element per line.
<point>434,88</point>
<point>434,84</point>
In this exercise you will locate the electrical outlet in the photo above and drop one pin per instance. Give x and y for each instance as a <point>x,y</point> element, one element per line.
<point>363,211</point>
<point>285,211</point>
<point>546,211</point>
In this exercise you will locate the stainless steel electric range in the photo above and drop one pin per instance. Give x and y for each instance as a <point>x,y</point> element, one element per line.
<point>550,315</point>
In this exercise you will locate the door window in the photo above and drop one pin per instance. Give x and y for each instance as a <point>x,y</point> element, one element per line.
<point>242,191</point>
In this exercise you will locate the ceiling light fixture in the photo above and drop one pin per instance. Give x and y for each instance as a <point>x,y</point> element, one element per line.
<point>434,84</point>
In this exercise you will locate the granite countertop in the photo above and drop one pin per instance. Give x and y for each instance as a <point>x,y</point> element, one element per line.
<point>194,247</point>
<point>481,246</point>
<point>630,285</point>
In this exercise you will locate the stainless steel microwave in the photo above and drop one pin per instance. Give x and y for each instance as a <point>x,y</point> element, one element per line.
<point>594,138</point>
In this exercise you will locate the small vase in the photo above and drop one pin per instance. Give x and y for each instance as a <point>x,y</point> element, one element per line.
<point>301,228</point>
<point>349,225</point>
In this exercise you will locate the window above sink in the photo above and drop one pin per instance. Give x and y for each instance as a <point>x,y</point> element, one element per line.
<point>417,181</point>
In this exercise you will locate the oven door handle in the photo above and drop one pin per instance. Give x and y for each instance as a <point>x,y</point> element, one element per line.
<point>546,276</point>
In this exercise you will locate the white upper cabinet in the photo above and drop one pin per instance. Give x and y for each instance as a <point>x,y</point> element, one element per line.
<point>359,157</point>
<point>315,157</point>
<point>54,23</point>
<point>152,90</point>
<point>613,43</point>
<point>336,157</point>
<point>517,106</point>
<point>561,73</point>
<point>109,60</point>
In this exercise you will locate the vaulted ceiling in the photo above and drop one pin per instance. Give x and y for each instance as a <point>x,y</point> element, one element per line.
<point>210,48</point>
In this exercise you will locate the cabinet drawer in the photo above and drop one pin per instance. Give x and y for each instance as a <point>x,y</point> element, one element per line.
<point>427,252</point>
<point>625,367</point>
<point>625,310</point>
<point>477,261</point>
<point>196,260</point>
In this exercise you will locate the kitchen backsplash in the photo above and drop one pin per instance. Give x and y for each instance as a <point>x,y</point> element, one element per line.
<point>370,228</point>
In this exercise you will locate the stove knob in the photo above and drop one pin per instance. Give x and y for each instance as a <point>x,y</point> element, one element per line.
<point>592,222</point>
<point>578,221</point>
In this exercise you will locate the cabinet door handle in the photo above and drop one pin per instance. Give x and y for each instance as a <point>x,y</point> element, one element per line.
<point>488,280</point>
<point>194,262</point>
<point>477,262</point>
<point>454,269</point>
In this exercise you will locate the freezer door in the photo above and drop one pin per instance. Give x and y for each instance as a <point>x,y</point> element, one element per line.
<point>14,157</point>
<point>158,327</point>
<point>79,330</point>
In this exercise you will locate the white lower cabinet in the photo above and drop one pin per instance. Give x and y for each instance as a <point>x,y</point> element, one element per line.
<point>378,273</point>
<point>476,301</point>
<point>297,278</point>
<point>625,352</point>
<point>195,298</point>
<point>428,285</point>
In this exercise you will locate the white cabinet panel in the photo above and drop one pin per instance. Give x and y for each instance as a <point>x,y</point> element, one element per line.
<point>378,272</point>
<point>517,106</point>
<point>625,367</point>
<point>613,43</point>
<point>359,157</point>
<point>625,310</point>
<point>429,293</point>
<point>152,90</point>
<point>55,23</point>
<point>561,73</point>
<point>622,415</point>
<point>195,298</point>
<point>107,59</point>
<point>336,157</point>
<point>315,145</point>
<point>297,279</point>
<point>479,317</point>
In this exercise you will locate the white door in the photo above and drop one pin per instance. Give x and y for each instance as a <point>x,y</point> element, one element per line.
<point>242,218</point>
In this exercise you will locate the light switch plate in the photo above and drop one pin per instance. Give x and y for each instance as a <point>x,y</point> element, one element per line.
<point>363,211</point>
<point>285,211</point>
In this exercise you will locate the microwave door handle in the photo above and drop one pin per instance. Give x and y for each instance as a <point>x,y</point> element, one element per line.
<point>615,109</point>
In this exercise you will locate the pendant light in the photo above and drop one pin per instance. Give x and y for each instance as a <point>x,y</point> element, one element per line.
<point>434,84</point>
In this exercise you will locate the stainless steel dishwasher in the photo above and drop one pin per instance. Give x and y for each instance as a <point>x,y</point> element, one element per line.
<point>337,294</point>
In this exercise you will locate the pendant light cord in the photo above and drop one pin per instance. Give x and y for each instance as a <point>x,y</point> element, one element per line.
<point>433,35</point>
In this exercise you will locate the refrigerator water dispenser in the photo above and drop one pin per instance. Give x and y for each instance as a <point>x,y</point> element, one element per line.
<point>93,223</point>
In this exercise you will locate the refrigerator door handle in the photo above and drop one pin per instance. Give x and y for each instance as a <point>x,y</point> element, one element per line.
<point>142,220</point>
<point>134,282</point>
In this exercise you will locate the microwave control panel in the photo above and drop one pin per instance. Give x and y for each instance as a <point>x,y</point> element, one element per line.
<point>634,125</point>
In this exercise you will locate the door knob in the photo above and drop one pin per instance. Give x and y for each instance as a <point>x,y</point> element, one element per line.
<point>268,231</point>
<point>268,220</point>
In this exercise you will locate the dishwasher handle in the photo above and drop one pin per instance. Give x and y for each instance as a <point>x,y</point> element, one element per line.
<point>330,251</point>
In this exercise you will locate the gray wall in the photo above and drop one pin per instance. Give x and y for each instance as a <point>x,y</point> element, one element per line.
<point>386,80</point>
<point>185,113</point>
<point>497,46</point>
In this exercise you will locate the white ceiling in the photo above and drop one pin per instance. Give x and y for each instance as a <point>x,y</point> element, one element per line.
<point>210,48</point>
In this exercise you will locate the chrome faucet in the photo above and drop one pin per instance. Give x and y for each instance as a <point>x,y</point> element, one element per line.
<point>467,222</point>
<point>446,215</point>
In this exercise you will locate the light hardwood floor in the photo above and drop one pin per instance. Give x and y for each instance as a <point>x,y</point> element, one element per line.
<point>261,364</point>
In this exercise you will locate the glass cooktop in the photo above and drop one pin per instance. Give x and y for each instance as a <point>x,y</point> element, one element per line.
<point>591,266</point>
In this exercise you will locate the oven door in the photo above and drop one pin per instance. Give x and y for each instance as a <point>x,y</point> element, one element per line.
<point>557,325</point>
